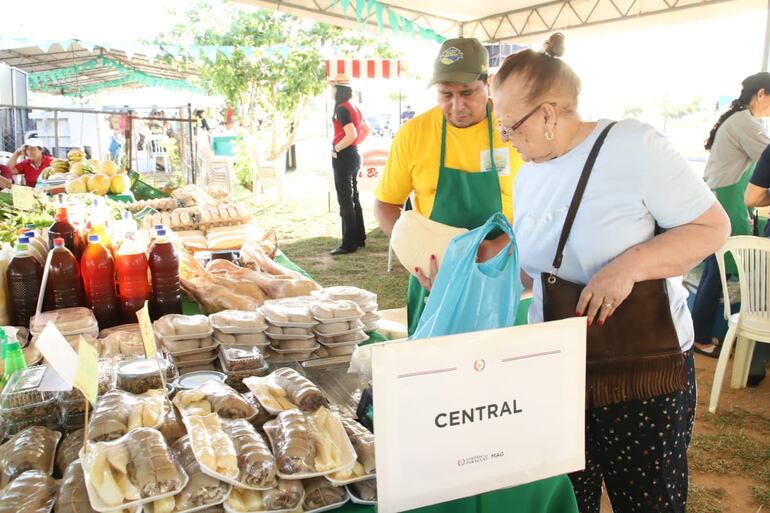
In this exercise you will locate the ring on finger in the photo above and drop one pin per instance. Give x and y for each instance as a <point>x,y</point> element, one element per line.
<point>607,305</point>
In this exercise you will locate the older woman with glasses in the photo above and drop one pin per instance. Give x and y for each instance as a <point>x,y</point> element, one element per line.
<point>638,425</point>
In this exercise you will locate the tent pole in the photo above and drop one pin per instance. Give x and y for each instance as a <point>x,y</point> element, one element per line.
<point>57,151</point>
<point>766,53</point>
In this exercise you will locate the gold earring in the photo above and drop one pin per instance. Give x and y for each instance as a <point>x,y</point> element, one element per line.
<point>548,135</point>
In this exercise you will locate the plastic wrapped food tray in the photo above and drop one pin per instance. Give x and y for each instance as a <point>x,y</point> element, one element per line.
<point>22,398</point>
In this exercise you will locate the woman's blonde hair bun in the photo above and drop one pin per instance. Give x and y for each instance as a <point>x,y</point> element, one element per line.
<point>554,46</point>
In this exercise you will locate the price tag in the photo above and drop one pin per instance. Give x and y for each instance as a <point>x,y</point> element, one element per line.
<point>87,372</point>
<point>148,335</point>
<point>23,197</point>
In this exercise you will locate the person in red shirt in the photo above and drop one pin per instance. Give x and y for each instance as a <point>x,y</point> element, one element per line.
<point>34,164</point>
<point>350,129</point>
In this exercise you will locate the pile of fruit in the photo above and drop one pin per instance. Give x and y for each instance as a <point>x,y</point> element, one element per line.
<point>82,175</point>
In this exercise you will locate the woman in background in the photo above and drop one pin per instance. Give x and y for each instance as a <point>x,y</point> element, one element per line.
<point>350,130</point>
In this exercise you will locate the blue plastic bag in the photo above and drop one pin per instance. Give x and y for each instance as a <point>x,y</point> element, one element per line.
<point>468,296</point>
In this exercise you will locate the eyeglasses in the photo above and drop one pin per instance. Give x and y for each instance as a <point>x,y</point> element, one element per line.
<point>507,132</point>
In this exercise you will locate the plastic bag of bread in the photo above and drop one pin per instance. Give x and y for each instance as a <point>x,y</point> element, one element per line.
<point>214,397</point>
<point>363,443</point>
<point>32,492</point>
<point>68,450</point>
<point>286,389</point>
<point>237,321</point>
<point>118,412</point>
<point>32,449</point>
<point>128,471</point>
<point>256,464</point>
<point>319,493</point>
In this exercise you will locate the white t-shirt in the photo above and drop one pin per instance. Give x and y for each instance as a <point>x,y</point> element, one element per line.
<point>638,178</point>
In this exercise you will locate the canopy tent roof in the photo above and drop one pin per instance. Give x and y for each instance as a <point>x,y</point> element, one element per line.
<point>74,68</point>
<point>523,21</point>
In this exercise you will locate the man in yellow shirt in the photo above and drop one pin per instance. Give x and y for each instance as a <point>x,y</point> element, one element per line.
<point>452,158</point>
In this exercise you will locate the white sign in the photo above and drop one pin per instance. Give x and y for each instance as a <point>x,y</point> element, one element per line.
<point>465,414</point>
<point>62,360</point>
<point>372,166</point>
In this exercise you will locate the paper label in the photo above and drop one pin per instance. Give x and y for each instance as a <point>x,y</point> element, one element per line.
<point>61,358</point>
<point>87,372</point>
<point>148,335</point>
<point>23,197</point>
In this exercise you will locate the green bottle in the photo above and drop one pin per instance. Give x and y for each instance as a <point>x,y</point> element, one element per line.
<point>13,358</point>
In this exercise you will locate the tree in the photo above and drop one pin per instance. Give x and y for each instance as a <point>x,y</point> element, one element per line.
<point>271,89</point>
<point>675,111</point>
<point>632,111</point>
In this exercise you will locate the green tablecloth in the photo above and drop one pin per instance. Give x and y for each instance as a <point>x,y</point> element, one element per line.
<point>554,495</point>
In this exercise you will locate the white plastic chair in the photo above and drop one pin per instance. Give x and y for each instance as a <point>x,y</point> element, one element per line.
<point>156,149</point>
<point>752,323</point>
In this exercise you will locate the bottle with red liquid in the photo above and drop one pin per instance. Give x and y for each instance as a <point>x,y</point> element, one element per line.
<point>63,229</point>
<point>164,271</point>
<point>63,289</point>
<point>131,271</point>
<point>98,270</point>
<point>24,276</point>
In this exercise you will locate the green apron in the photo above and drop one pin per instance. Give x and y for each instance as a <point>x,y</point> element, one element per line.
<point>467,200</point>
<point>463,200</point>
<point>731,199</point>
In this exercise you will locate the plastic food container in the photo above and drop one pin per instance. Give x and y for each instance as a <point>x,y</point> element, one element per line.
<point>195,354</point>
<point>338,328</point>
<point>124,328</point>
<point>71,322</point>
<point>355,337</point>
<point>208,367</point>
<point>300,344</point>
<point>178,325</point>
<point>195,379</point>
<point>142,374</point>
<point>340,350</point>
<point>237,321</point>
<point>289,314</point>
<point>281,356</point>
<point>241,339</point>
<point>366,300</point>
<point>336,311</point>
<point>125,343</point>
<point>237,358</point>
<point>22,400</point>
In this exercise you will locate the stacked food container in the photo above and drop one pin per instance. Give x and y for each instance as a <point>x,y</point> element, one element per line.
<point>290,332</point>
<point>188,341</point>
<point>339,328</point>
<point>366,301</point>
<point>73,323</point>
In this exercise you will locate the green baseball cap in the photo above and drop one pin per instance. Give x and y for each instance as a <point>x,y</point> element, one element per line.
<point>460,60</point>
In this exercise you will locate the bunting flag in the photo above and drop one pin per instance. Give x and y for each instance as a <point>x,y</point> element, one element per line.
<point>364,68</point>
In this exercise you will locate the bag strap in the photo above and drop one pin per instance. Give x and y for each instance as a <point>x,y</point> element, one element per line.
<point>578,196</point>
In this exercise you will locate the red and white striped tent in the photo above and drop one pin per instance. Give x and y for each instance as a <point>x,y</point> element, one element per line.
<point>364,68</point>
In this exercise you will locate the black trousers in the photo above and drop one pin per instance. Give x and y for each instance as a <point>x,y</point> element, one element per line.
<point>639,449</point>
<point>346,167</point>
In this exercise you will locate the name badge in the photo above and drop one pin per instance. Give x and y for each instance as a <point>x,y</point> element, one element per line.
<point>501,162</point>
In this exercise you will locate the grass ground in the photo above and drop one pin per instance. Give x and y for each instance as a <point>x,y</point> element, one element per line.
<point>730,452</point>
